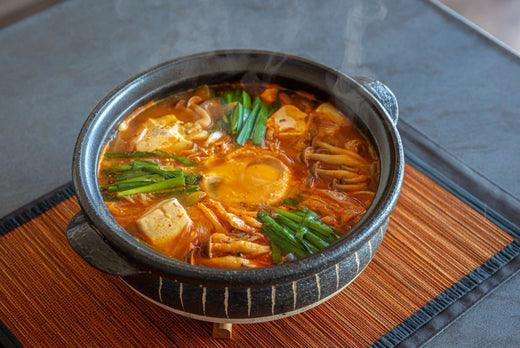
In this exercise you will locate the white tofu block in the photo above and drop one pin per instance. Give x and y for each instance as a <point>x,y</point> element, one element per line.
<point>289,121</point>
<point>164,222</point>
<point>164,133</point>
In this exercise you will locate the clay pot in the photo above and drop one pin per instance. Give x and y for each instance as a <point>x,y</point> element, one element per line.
<point>236,296</point>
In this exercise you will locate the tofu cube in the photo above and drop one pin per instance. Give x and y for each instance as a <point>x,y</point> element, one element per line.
<point>164,222</point>
<point>288,121</point>
<point>165,133</point>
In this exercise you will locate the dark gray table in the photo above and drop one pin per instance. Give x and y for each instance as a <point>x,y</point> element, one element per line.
<point>455,86</point>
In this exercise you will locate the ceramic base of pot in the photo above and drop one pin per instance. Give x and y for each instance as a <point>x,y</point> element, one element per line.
<point>254,305</point>
<point>235,320</point>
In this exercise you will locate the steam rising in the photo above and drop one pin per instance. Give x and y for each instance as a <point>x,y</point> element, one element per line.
<point>178,28</point>
<point>360,15</point>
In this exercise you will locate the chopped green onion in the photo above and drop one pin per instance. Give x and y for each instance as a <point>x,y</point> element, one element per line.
<point>306,212</point>
<point>228,97</point>
<point>161,185</point>
<point>247,127</point>
<point>319,227</point>
<point>115,168</point>
<point>258,133</point>
<point>309,236</point>
<point>236,119</point>
<point>281,236</point>
<point>293,202</point>
<point>126,186</point>
<point>301,231</point>
<point>147,178</point>
<point>310,247</point>
<point>181,159</point>
<point>139,164</point>
<point>193,179</point>
<point>130,174</point>
<point>277,253</point>
<point>246,100</point>
<point>154,168</point>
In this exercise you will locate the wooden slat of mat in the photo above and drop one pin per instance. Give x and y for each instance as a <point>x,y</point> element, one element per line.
<point>51,297</point>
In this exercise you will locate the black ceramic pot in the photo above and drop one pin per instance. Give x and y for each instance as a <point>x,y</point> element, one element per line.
<point>236,296</point>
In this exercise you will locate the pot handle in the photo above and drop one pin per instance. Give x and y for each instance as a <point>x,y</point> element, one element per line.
<point>382,93</point>
<point>93,248</point>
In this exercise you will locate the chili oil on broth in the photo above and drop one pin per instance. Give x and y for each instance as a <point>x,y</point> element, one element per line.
<point>311,157</point>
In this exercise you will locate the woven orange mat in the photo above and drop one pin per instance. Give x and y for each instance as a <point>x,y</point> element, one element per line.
<point>51,297</point>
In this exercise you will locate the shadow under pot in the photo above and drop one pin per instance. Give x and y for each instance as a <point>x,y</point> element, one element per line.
<point>236,295</point>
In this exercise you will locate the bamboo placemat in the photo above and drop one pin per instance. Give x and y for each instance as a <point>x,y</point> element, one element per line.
<point>51,297</point>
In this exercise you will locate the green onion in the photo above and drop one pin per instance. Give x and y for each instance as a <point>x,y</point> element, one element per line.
<point>310,247</point>
<point>277,253</point>
<point>169,174</point>
<point>127,186</point>
<point>139,164</point>
<point>247,127</point>
<point>240,113</point>
<point>246,103</point>
<point>228,97</point>
<point>193,179</point>
<point>130,174</point>
<point>140,154</point>
<point>276,238</point>
<point>154,168</point>
<point>310,236</point>
<point>247,120</point>
<point>181,159</point>
<point>237,94</point>
<point>257,136</point>
<point>323,230</point>
<point>281,236</point>
<point>236,119</point>
<point>293,202</point>
<point>116,168</point>
<point>246,100</point>
<point>146,178</point>
<point>161,185</point>
<point>306,212</point>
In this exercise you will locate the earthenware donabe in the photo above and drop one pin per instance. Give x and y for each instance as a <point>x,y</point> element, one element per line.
<point>236,296</point>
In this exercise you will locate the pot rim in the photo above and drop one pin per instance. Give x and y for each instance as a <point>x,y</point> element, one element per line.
<point>131,248</point>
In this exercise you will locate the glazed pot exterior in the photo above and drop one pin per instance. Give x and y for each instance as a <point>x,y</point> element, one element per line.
<point>236,296</point>
<point>255,304</point>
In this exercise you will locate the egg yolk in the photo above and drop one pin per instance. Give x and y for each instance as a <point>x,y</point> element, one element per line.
<point>248,179</point>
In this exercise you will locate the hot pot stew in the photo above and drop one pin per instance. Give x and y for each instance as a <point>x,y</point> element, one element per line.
<point>238,175</point>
